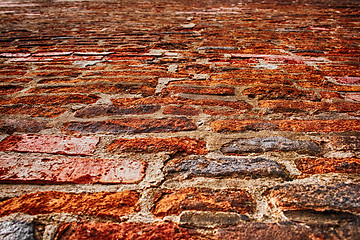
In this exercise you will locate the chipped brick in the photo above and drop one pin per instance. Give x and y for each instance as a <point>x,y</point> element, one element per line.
<point>182,110</point>
<point>102,204</point>
<point>202,199</point>
<point>328,165</point>
<point>223,167</point>
<point>132,126</point>
<point>50,144</point>
<point>58,170</point>
<point>149,145</point>
<point>276,92</point>
<point>94,111</point>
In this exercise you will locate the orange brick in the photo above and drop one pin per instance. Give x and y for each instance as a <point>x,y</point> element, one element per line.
<point>328,165</point>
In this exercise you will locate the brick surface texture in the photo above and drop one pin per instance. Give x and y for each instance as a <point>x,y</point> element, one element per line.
<point>232,119</point>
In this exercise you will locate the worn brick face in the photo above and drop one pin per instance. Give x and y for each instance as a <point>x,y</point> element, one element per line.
<point>182,110</point>
<point>193,90</point>
<point>50,144</point>
<point>200,199</point>
<point>34,111</point>
<point>57,170</point>
<point>275,92</point>
<point>328,165</point>
<point>94,204</point>
<point>95,111</point>
<point>10,126</point>
<point>149,145</point>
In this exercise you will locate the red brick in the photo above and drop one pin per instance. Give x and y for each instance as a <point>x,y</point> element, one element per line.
<point>62,73</point>
<point>58,170</point>
<point>328,165</point>
<point>182,110</point>
<point>52,99</point>
<point>125,231</point>
<point>276,92</point>
<point>197,90</point>
<point>94,111</point>
<point>34,111</point>
<point>201,199</point>
<point>9,89</point>
<point>101,204</point>
<point>329,86</point>
<point>149,145</point>
<point>50,144</point>
<point>132,126</point>
<point>286,125</point>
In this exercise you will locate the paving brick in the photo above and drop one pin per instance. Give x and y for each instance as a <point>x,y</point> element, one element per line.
<point>265,144</point>
<point>201,199</point>
<point>285,125</point>
<point>34,111</point>
<point>10,126</point>
<point>149,145</point>
<point>102,204</point>
<point>50,144</point>
<point>94,111</point>
<point>275,92</point>
<point>125,231</point>
<point>328,165</point>
<point>132,126</point>
<point>16,230</point>
<point>332,197</point>
<point>196,166</point>
<point>182,110</point>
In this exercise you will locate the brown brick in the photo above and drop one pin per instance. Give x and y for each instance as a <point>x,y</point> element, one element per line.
<point>330,95</point>
<point>344,143</point>
<point>251,80</point>
<point>52,99</point>
<point>149,145</point>
<point>276,92</point>
<point>34,111</point>
<point>196,90</point>
<point>286,125</point>
<point>94,111</point>
<point>132,126</point>
<point>50,144</point>
<point>329,86</point>
<point>101,204</point>
<point>125,231</point>
<point>182,110</point>
<point>58,170</point>
<point>328,165</point>
<point>201,199</point>
<point>9,89</point>
<point>211,219</point>
<point>10,126</point>
<point>332,197</point>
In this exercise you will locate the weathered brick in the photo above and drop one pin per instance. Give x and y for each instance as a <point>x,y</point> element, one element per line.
<point>348,80</point>
<point>58,170</point>
<point>197,90</point>
<point>333,197</point>
<point>9,89</point>
<point>10,126</point>
<point>94,111</point>
<point>52,99</point>
<point>286,125</point>
<point>328,165</point>
<point>276,92</point>
<point>34,111</point>
<point>8,79</point>
<point>353,96</point>
<point>291,106</point>
<point>344,143</point>
<point>223,167</point>
<point>243,79</point>
<point>50,144</point>
<point>211,219</point>
<point>265,144</point>
<point>330,95</point>
<point>102,204</point>
<point>18,230</point>
<point>149,145</point>
<point>125,231</point>
<point>182,110</point>
<point>132,126</point>
<point>202,199</point>
<point>329,86</point>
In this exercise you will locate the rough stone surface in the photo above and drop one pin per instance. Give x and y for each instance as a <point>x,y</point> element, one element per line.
<point>210,219</point>
<point>101,204</point>
<point>328,165</point>
<point>11,230</point>
<point>223,167</point>
<point>201,199</point>
<point>10,126</point>
<point>50,144</point>
<point>345,143</point>
<point>57,170</point>
<point>95,111</point>
<point>259,145</point>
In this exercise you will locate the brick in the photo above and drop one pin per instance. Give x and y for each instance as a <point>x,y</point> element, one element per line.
<point>265,144</point>
<point>62,73</point>
<point>211,219</point>
<point>329,86</point>
<point>331,197</point>
<point>59,170</point>
<point>228,79</point>
<point>149,145</point>
<point>291,106</point>
<point>102,204</point>
<point>50,144</point>
<point>348,80</point>
<point>223,167</point>
<point>52,99</point>
<point>353,96</point>
<point>15,80</point>
<point>344,143</point>
<point>203,199</point>
<point>228,91</point>
<point>275,92</point>
<point>34,111</point>
<point>182,110</point>
<point>19,230</point>
<point>94,111</point>
<point>9,89</point>
<point>132,126</point>
<point>10,126</point>
<point>328,165</point>
<point>125,231</point>
<point>285,125</point>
